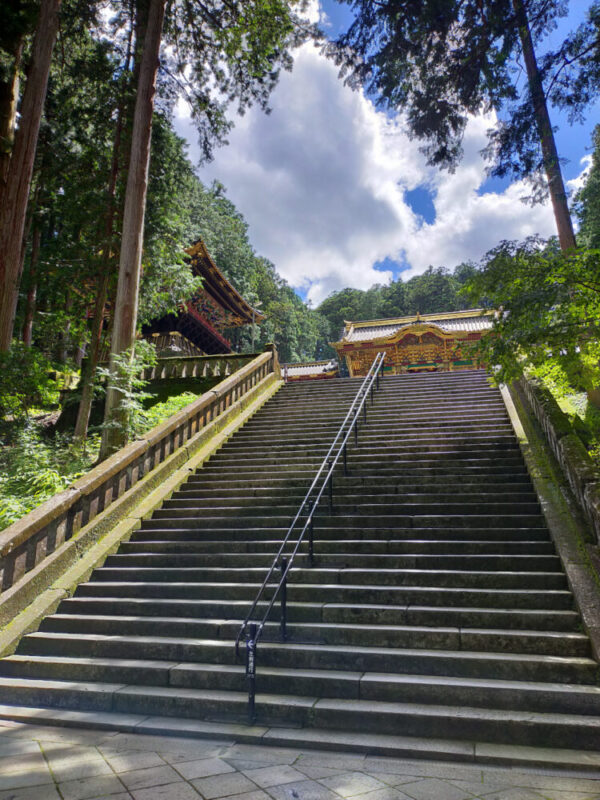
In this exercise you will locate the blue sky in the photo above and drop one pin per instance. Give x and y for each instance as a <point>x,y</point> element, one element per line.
<point>336,194</point>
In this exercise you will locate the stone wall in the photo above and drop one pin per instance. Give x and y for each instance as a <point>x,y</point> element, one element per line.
<point>582,475</point>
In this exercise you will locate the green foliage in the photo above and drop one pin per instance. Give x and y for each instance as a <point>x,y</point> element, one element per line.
<point>587,201</point>
<point>440,63</point>
<point>24,381</point>
<point>230,52</point>
<point>36,467</point>
<point>170,209</point>
<point>125,376</point>
<point>584,415</point>
<point>435,290</point>
<point>160,411</point>
<point>548,310</point>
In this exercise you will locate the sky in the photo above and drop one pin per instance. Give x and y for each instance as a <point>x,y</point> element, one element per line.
<point>336,194</point>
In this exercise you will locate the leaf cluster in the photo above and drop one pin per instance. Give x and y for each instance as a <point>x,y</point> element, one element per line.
<point>548,307</point>
<point>125,376</point>
<point>441,62</point>
<point>25,381</point>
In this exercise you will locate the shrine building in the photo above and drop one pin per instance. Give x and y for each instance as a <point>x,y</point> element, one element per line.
<point>202,323</point>
<point>419,343</point>
<point>310,370</point>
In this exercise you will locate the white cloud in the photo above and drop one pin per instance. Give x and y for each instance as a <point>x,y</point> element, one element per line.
<point>321,182</point>
<point>468,223</point>
<point>579,181</point>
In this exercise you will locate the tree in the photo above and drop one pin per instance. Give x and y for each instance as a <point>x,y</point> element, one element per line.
<point>231,50</point>
<point>588,200</point>
<point>439,63</point>
<point>430,292</point>
<point>126,304</point>
<point>548,308</point>
<point>15,193</point>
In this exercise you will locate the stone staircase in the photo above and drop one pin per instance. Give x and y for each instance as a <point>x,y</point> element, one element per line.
<point>437,607</point>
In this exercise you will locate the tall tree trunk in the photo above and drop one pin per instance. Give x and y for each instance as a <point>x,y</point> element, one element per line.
<point>32,290</point>
<point>88,374</point>
<point>126,305</point>
<point>9,98</point>
<point>89,370</point>
<point>16,192</point>
<point>556,186</point>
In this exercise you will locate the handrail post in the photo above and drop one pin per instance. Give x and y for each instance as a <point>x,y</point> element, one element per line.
<point>311,550</point>
<point>356,431</point>
<point>283,622</point>
<point>372,393</point>
<point>365,411</point>
<point>251,672</point>
<point>330,486</point>
<point>345,460</point>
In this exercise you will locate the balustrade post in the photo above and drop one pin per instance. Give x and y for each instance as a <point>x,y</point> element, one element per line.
<point>330,485</point>
<point>345,459</point>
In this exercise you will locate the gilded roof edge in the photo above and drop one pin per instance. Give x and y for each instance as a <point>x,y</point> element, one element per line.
<point>220,283</point>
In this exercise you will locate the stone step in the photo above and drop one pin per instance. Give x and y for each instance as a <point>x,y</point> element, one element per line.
<point>559,643</point>
<point>152,530</point>
<point>210,481</point>
<point>289,655</point>
<point>462,446</point>
<point>179,518</point>
<point>377,415</point>
<point>521,619</point>
<point>340,548</point>
<point>453,453</point>
<point>480,423</point>
<point>306,439</point>
<point>413,718</point>
<point>518,695</point>
<point>348,576</point>
<point>546,563</point>
<point>386,494</point>
<point>438,463</point>
<point>410,506</point>
<point>394,494</point>
<point>400,422</point>
<point>409,470</point>
<point>448,596</point>
<point>288,425</point>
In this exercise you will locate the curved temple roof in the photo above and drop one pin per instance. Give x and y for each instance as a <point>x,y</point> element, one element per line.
<point>473,319</point>
<point>215,284</point>
<point>310,368</point>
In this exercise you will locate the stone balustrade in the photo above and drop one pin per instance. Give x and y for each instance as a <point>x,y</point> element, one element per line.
<point>197,366</point>
<point>571,454</point>
<point>27,543</point>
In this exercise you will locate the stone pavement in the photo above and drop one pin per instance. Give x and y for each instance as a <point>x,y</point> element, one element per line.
<point>44,763</point>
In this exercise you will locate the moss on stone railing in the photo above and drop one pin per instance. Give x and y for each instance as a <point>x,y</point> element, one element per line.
<point>569,450</point>
<point>109,486</point>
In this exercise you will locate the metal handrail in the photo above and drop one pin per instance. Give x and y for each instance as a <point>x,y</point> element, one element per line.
<point>255,628</point>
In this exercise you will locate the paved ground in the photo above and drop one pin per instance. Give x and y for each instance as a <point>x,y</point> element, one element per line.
<point>43,763</point>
